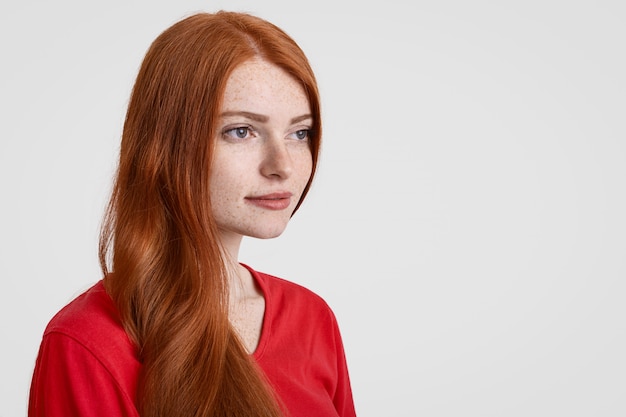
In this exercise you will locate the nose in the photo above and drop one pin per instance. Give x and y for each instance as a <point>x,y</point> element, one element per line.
<point>277,162</point>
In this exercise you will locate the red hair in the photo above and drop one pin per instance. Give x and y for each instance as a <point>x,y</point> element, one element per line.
<point>167,275</point>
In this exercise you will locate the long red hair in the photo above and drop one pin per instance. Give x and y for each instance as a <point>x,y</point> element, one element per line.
<point>159,247</point>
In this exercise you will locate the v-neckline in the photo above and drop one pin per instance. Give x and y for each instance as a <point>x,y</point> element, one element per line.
<point>266,323</point>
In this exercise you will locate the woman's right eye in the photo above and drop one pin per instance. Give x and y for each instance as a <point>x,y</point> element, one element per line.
<point>240,132</point>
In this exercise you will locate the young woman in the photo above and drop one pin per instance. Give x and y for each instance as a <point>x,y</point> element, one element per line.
<point>220,141</point>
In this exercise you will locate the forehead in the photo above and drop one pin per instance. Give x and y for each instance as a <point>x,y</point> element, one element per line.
<point>259,83</point>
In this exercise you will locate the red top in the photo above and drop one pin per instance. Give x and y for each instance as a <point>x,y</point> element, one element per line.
<point>88,367</point>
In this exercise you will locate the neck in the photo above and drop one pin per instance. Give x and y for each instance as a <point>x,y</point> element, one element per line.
<point>240,282</point>
<point>230,243</point>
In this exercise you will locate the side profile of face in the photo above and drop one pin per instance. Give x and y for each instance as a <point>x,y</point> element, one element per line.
<point>262,158</point>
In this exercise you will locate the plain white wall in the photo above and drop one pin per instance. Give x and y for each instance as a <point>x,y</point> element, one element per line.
<point>467,224</point>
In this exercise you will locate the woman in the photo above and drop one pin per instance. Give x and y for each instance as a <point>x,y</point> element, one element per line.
<point>220,141</point>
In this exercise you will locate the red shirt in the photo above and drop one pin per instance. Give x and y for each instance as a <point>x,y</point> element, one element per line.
<point>88,367</point>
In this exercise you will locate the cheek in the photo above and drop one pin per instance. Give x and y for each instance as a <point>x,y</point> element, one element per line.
<point>222,182</point>
<point>226,171</point>
<point>302,158</point>
<point>305,167</point>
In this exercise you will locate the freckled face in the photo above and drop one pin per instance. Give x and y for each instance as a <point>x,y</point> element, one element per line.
<point>262,160</point>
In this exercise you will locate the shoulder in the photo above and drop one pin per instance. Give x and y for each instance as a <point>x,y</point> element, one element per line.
<point>282,290</point>
<point>92,321</point>
<point>91,315</point>
<point>86,363</point>
<point>291,288</point>
<point>289,302</point>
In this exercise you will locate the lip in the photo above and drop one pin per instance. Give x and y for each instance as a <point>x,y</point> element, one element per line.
<point>272,201</point>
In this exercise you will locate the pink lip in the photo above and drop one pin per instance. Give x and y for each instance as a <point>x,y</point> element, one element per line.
<point>273,201</point>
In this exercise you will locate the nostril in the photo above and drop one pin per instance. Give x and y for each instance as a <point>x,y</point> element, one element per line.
<point>277,162</point>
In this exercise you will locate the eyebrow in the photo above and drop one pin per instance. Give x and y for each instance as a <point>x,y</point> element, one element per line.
<point>262,118</point>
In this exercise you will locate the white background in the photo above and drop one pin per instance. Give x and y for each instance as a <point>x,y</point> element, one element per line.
<point>467,225</point>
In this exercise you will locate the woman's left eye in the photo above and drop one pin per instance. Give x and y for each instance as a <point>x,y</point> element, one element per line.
<point>302,134</point>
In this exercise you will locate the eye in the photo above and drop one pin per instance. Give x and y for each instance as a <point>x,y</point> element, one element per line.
<point>302,134</point>
<point>240,132</point>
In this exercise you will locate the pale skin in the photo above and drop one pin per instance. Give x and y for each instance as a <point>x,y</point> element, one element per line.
<point>261,165</point>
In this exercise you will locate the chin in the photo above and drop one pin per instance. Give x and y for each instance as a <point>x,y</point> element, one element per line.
<point>267,234</point>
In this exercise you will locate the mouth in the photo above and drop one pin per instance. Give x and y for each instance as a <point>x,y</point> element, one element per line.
<point>273,201</point>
